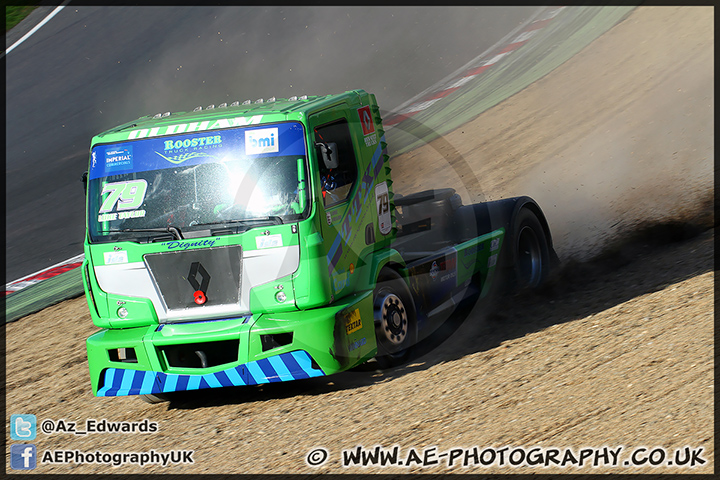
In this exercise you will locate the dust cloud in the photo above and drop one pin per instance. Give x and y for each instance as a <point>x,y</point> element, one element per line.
<point>636,147</point>
<point>241,53</point>
<point>92,68</point>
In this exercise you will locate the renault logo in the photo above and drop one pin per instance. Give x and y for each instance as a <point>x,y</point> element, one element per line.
<point>199,287</point>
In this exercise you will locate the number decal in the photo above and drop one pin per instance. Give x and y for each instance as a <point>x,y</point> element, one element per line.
<point>383,204</point>
<point>127,195</point>
<point>382,198</point>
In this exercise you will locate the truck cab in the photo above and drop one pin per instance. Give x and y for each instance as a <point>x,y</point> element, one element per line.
<point>261,242</point>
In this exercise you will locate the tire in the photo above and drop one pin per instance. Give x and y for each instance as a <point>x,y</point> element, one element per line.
<point>395,320</point>
<point>154,398</point>
<point>530,253</point>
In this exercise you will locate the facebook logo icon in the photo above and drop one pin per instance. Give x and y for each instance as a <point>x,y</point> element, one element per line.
<point>23,427</point>
<point>23,457</point>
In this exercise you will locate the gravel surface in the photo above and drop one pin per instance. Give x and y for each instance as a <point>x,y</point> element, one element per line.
<point>615,352</point>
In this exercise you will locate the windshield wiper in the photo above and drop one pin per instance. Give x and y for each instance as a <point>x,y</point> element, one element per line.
<point>270,218</point>
<point>170,229</point>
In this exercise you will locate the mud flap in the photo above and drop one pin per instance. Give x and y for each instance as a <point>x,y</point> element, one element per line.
<point>354,334</point>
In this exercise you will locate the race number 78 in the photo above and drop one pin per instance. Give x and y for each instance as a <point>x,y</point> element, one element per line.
<point>127,195</point>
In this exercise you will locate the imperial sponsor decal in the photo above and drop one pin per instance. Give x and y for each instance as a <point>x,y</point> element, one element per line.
<point>264,140</point>
<point>119,159</point>
<point>194,127</point>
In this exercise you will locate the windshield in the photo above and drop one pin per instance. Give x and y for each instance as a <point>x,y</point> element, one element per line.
<point>197,181</point>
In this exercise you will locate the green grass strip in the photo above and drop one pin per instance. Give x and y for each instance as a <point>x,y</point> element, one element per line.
<point>44,294</point>
<point>16,14</point>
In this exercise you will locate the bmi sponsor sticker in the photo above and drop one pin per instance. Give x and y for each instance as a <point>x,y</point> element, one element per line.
<point>263,140</point>
<point>353,322</point>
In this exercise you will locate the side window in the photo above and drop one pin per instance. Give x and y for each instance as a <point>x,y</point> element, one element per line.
<point>337,178</point>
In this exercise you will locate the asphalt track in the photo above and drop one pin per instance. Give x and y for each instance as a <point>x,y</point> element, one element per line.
<point>91,68</point>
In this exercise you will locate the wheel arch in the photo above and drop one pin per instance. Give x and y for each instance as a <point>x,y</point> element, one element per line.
<point>532,205</point>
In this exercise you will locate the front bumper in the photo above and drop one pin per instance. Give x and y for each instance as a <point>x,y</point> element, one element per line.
<point>312,343</point>
<point>277,368</point>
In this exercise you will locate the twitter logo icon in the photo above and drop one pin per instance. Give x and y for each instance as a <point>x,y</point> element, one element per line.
<point>23,427</point>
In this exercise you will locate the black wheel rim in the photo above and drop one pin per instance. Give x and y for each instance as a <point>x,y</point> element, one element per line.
<point>529,257</point>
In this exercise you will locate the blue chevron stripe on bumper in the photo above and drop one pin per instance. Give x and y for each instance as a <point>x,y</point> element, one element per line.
<point>294,365</point>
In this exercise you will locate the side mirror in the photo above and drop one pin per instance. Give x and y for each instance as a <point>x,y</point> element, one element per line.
<point>84,181</point>
<point>328,151</point>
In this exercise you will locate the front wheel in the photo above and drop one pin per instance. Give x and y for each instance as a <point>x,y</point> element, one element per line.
<point>154,398</point>
<point>394,315</point>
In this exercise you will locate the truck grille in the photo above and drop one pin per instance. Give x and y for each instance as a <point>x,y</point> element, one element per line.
<point>177,276</point>
<point>200,355</point>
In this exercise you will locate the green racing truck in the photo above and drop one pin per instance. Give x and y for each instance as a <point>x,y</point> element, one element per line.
<point>262,242</point>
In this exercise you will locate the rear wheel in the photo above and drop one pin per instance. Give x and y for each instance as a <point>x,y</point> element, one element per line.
<point>529,250</point>
<point>394,315</point>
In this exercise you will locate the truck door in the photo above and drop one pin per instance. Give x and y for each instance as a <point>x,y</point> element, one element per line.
<point>338,180</point>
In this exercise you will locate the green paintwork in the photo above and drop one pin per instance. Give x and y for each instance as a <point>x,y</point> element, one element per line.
<point>328,308</point>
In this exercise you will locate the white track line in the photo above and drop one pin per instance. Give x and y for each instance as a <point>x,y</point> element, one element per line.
<point>74,259</point>
<point>37,27</point>
<point>407,104</point>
